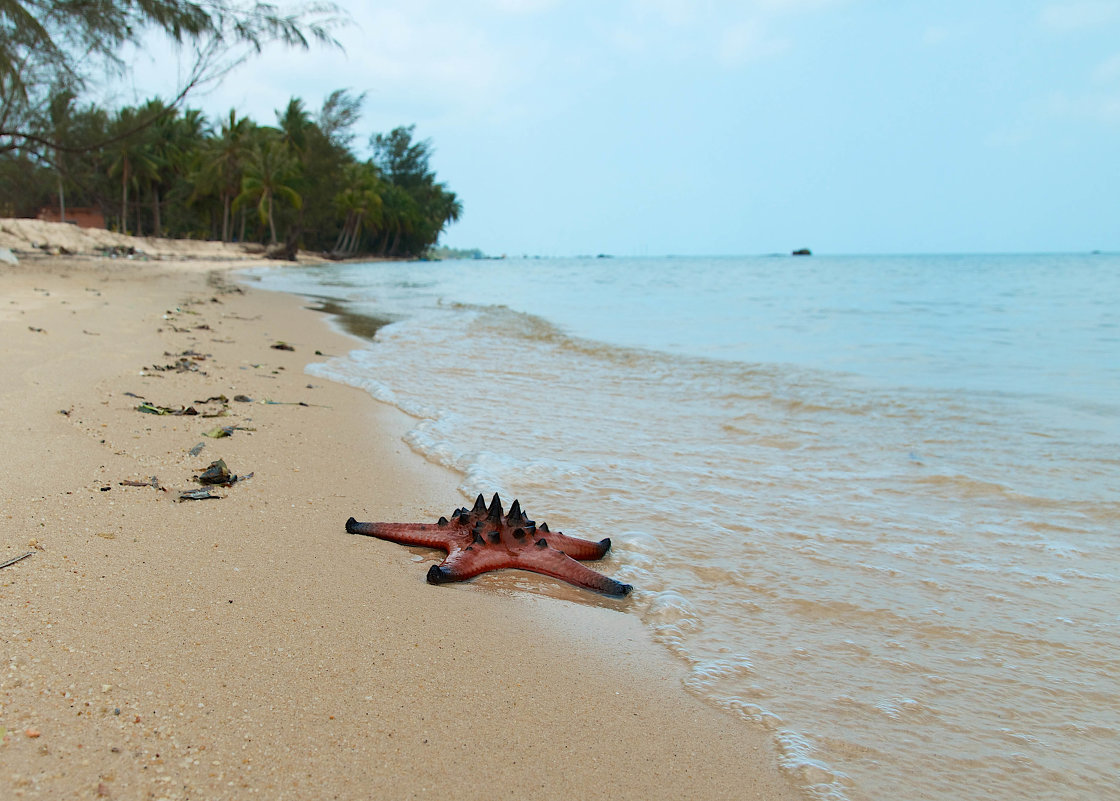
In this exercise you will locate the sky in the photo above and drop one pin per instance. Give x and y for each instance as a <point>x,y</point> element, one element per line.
<point>656,127</point>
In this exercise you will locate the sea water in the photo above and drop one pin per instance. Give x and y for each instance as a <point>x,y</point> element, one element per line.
<point>873,503</point>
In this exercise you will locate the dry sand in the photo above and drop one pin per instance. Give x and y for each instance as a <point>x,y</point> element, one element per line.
<point>248,646</point>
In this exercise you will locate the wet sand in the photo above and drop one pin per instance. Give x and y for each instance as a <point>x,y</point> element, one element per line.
<point>247,645</point>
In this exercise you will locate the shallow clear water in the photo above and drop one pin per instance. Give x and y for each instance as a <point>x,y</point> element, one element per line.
<point>872,502</point>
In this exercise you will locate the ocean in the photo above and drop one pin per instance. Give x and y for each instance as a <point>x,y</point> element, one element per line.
<point>871,502</point>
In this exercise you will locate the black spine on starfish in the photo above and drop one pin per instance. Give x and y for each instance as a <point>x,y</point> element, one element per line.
<point>495,511</point>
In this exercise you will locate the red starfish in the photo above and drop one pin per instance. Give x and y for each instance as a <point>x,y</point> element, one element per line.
<point>478,540</point>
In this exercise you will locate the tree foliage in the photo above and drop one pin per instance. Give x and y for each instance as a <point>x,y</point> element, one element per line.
<point>50,49</point>
<point>297,183</point>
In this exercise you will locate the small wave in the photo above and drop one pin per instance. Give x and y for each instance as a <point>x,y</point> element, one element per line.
<point>710,672</point>
<point>335,370</point>
<point>672,618</point>
<point>898,708</point>
<point>820,781</point>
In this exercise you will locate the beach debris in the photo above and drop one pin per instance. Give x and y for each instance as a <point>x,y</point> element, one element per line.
<point>151,482</point>
<point>116,251</point>
<point>36,330</point>
<point>216,473</point>
<point>222,412</point>
<point>219,474</point>
<point>282,346</point>
<point>225,431</point>
<point>242,399</point>
<point>198,495</point>
<point>178,411</point>
<point>197,449</point>
<point>15,559</point>
<point>285,251</point>
<point>107,535</point>
<point>7,257</point>
<point>269,402</point>
<point>185,362</point>
<point>217,280</point>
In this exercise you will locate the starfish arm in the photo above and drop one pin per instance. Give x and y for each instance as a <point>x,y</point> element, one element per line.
<point>463,564</point>
<point>551,562</point>
<point>425,534</point>
<point>578,548</point>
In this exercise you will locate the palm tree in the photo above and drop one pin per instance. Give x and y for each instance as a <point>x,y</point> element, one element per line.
<point>130,157</point>
<point>222,165</point>
<point>270,171</point>
<point>443,208</point>
<point>295,124</point>
<point>297,130</point>
<point>361,201</point>
<point>172,142</point>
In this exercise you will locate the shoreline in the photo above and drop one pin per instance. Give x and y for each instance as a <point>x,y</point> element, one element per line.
<point>224,647</point>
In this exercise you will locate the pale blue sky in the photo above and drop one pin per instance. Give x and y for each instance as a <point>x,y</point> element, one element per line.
<point>665,126</point>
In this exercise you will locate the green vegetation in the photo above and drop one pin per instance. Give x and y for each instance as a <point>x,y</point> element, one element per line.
<point>295,184</point>
<point>163,169</point>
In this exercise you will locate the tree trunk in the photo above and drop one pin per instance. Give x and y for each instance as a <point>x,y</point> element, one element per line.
<point>271,222</point>
<point>124,197</point>
<point>355,236</point>
<point>157,227</point>
<point>225,216</point>
<point>343,242</point>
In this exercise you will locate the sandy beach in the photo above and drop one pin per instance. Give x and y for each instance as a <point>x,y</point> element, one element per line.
<point>246,645</point>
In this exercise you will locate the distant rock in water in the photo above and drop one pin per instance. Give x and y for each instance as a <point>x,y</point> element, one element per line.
<point>802,252</point>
